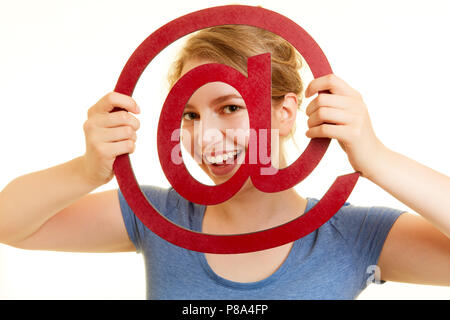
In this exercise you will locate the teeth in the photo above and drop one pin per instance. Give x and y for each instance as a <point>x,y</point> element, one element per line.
<point>221,158</point>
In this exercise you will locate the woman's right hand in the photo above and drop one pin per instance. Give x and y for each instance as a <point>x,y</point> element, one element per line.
<point>108,135</point>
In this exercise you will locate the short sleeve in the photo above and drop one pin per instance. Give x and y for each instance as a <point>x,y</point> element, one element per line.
<point>165,200</point>
<point>132,224</point>
<point>365,230</point>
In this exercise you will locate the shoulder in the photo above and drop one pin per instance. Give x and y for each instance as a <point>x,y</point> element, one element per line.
<point>169,204</point>
<point>160,196</point>
<point>358,223</point>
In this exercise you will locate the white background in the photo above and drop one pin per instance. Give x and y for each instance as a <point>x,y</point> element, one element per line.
<point>58,58</point>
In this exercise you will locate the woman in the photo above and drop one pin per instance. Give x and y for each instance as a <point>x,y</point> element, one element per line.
<point>358,245</point>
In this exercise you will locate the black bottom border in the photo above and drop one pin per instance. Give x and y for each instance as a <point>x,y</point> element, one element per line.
<point>217,309</point>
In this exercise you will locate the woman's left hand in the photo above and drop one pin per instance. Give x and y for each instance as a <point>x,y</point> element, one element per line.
<point>342,115</point>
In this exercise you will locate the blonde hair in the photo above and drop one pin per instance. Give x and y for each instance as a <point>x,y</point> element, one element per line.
<point>232,45</point>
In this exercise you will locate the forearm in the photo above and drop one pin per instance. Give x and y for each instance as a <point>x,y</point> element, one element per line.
<point>422,189</point>
<point>28,201</point>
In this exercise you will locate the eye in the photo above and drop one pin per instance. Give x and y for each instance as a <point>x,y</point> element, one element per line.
<point>231,108</point>
<point>190,116</point>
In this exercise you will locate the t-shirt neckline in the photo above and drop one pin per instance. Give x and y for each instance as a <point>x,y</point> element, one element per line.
<point>197,226</point>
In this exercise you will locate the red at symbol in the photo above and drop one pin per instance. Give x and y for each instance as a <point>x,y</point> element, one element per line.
<point>258,81</point>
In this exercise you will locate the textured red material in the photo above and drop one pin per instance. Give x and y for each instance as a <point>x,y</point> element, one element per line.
<point>256,91</point>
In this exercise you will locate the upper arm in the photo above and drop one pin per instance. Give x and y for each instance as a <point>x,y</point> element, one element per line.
<point>94,223</point>
<point>415,252</point>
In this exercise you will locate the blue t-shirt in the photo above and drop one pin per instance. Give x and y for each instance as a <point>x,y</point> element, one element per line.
<point>336,261</point>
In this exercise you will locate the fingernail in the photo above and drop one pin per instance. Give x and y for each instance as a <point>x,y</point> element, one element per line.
<point>138,110</point>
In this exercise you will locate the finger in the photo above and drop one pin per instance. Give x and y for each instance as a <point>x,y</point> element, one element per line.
<point>121,147</point>
<point>118,119</point>
<point>326,131</point>
<point>114,100</point>
<point>329,115</point>
<point>333,84</point>
<point>330,100</point>
<point>118,134</point>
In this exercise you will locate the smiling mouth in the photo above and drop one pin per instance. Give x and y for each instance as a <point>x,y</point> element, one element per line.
<point>223,159</point>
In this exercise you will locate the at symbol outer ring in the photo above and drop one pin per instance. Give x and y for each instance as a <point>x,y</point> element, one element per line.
<point>330,203</point>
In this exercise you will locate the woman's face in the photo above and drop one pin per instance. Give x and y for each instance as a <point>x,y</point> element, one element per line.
<point>215,128</point>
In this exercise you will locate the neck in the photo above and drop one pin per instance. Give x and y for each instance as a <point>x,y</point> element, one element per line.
<point>252,210</point>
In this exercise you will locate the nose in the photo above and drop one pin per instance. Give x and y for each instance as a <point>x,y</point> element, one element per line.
<point>210,132</point>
